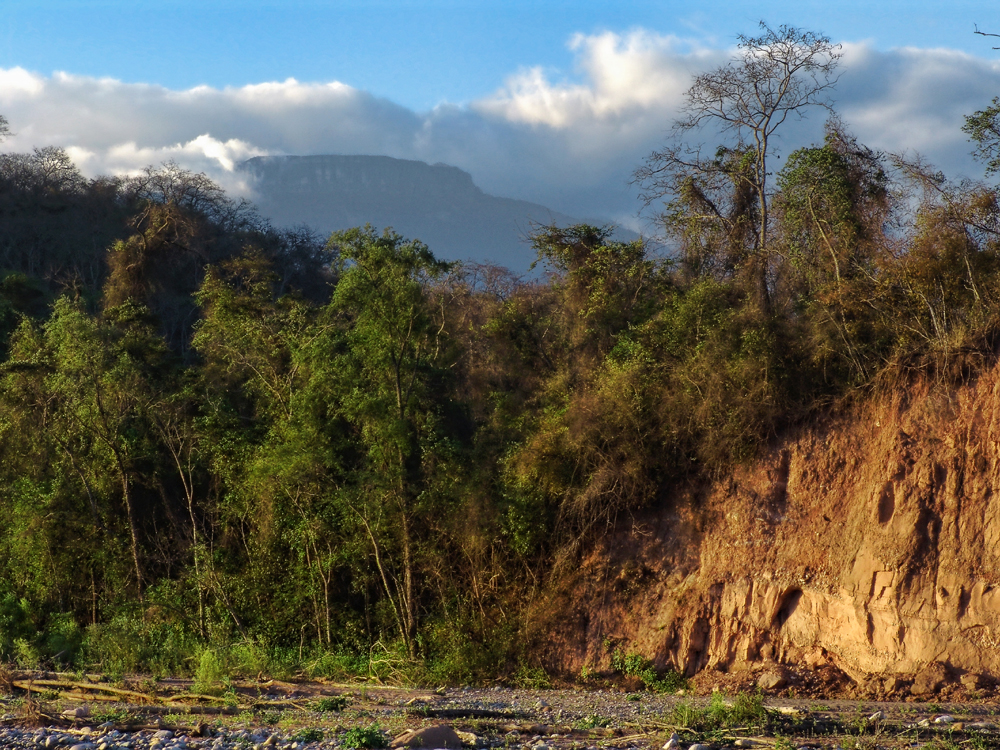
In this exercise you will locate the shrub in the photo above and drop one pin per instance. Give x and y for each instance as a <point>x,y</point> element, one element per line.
<point>335,703</point>
<point>315,734</point>
<point>744,711</point>
<point>364,737</point>
<point>637,665</point>
<point>210,675</point>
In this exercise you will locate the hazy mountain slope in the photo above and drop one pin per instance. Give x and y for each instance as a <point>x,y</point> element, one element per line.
<point>437,204</point>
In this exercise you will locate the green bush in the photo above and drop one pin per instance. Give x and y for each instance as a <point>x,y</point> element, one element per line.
<point>745,711</point>
<point>211,673</point>
<point>334,703</point>
<point>592,722</point>
<point>637,665</point>
<point>364,737</point>
<point>127,643</point>
<point>314,734</point>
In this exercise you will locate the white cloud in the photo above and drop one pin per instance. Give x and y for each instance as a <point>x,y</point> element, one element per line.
<point>568,142</point>
<point>624,76</point>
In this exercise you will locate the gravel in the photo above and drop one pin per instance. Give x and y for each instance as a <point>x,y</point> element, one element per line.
<point>513,719</point>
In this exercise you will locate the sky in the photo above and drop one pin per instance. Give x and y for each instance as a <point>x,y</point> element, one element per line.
<point>551,101</point>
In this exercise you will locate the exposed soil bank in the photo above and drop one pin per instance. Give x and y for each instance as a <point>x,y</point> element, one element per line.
<point>866,548</point>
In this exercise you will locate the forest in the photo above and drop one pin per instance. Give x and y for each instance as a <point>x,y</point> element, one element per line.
<point>343,456</point>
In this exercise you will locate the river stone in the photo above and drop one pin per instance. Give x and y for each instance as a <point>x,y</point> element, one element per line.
<point>440,736</point>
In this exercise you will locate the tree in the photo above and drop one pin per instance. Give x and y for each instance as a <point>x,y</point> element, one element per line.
<point>983,129</point>
<point>986,33</point>
<point>778,74</point>
<point>392,374</point>
<point>832,210</point>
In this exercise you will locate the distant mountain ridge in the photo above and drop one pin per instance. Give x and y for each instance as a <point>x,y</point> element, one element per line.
<point>437,204</point>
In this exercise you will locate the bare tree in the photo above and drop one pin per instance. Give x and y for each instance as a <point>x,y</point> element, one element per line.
<point>987,33</point>
<point>777,74</point>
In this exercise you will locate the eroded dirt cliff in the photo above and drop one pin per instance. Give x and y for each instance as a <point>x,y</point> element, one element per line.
<point>868,545</point>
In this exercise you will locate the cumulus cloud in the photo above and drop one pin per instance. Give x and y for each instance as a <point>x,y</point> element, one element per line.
<point>566,140</point>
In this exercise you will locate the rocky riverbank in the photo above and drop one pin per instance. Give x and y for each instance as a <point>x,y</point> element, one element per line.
<point>315,716</point>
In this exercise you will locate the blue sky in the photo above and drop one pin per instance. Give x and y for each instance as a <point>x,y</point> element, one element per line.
<point>555,102</point>
<point>417,53</point>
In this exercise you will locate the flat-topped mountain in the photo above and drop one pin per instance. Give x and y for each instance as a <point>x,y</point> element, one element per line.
<point>437,204</point>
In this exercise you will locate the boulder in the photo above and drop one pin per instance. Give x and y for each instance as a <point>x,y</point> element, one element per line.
<point>930,679</point>
<point>439,736</point>
<point>772,679</point>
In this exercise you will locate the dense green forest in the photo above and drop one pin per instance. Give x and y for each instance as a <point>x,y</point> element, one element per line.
<point>344,456</point>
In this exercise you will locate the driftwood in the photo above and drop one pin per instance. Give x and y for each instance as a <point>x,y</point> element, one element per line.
<point>65,686</point>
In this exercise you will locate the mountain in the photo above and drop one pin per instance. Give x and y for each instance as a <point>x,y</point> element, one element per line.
<point>437,204</point>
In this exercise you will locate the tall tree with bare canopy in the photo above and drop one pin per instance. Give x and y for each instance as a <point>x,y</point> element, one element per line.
<point>776,75</point>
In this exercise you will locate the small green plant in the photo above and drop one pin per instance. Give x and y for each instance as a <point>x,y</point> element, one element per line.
<point>593,722</point>
<point>26,656</point>
<point>364,737</point>
<point>533,678</point>
<point>745,711</point>
<point>331,703</point>
<point>209,678</point>
<point>271,718</point>
<point>634,697</point>
<point>637,665</point>
<point>868,734</point>
<point>315,734</point>
<point>113,715</point>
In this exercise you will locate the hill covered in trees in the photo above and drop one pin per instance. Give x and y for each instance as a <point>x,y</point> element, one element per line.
<point>349,456</point>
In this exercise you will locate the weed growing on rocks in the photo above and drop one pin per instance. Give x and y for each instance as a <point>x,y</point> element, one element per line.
<point>313,734</point>
<point>745,711</point>
<point>333,703</point>
<point>592,722</point>
<point>364,737</point>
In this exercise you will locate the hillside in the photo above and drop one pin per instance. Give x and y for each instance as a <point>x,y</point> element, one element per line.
<point>439,204</point>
